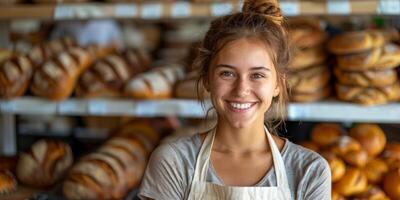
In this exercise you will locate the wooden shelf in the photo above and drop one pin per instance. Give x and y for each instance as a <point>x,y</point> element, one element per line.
<point>179,10</point>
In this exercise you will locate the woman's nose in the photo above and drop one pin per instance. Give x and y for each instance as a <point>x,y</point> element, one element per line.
<point>242,87</point>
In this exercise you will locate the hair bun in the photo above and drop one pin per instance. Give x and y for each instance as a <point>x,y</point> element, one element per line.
<point>269,8</point>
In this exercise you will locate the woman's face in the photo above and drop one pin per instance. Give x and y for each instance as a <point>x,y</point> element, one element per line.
<point>242,82</point>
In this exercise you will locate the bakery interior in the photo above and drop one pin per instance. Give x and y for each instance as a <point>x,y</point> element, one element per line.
<point>85,80</point>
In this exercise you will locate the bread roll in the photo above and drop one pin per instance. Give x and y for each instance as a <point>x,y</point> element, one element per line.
<point>15,75</point>
<point>305,58</point>
<point>359,61</point>
<point>368,95</point>
<point>8,183</point>
<point>372,193</point>
<point>375,170</point>
<point>353,182</point>
<point>371,137</point>
<point>356,158</point>
<point>39,54</point>
<point>336,196</point>
<point>391,184</point>
<point>44,164</point>
<point>140,131</point>
<point>368,78</point>
<point>306,32</point>
<point>391,152</point>
<point>344,145</point>
<point>337,166</point>
<point>56,79</point>
<point>390,57</point>
<point>325,134</point>
<point>309,80</point>
<point>313,96</point>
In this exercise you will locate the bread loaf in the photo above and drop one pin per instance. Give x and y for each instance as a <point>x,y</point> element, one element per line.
<point>371,137</point>
<point>309,80</point>
<point>306,32</point>
<point>356,158</point>
<point>307,57</point>
<point>367,78</point>
<point>56,79</point>
<point>337,166</point>
<point>359,61</point>
<point>8,183</point>
<point>368,95</point>
<point>355,42</point>
<point>44,164</point>
<point>157,84</point>
<point>313,96</point>
<point>188,88</point>
<point>326,134</point>
<point>15,75</point>
<point>344,145</point>
<point>372,192</point>
<point>391,184</point>
<point>39,54</point>
<point>375,170</point>
<point>390,57</point>
<point>114,168</point>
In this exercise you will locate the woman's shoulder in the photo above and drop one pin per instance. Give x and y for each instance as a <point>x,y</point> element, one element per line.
<point>303,157</point>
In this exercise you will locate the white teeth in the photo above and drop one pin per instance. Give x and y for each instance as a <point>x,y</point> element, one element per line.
<point>241,106</point>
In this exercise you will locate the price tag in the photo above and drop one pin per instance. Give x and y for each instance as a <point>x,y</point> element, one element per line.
<point>8,106</point>
<point>125,10</point>
<point>180,9</point>
<point>338,7</point>
<point>97,107</point>
<point>290,8</point>
<point>67,107</point>
<point>63,12</point>
<point>389,7</point>
<point>151,11</point>
<point>219,9</point>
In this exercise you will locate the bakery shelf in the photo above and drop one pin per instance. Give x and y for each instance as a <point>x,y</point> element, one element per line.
<point>162,10</point>
<point>317,111</point>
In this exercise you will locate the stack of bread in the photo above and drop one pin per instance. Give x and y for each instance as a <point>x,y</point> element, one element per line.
<point>155,84</point>
<point>362,165</point>
<point>114,168</point>
<point>365,67</point>
<point>309,75</point>
<point>108,75</point>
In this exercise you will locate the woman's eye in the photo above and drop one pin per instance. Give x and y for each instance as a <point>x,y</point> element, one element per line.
<point>227,74</point>
<point>257,76</point>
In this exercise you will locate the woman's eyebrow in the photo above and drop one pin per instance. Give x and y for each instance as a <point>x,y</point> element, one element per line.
<point>252,69</point>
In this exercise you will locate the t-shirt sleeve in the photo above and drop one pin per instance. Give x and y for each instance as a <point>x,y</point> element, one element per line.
<point>317,183</point>
<point>163,179</point>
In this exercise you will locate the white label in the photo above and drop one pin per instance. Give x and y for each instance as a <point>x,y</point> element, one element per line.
<point>180,9</point>
<point>151,11</point>
<point>97,107</point>
<point>219,9</point>
<point>125,10</point>
<point>338,7</point>
<point>8,106</point>
<point>389,7</point>
<point>67,107</point>
<point>63,12</point>
<point>290,8</point>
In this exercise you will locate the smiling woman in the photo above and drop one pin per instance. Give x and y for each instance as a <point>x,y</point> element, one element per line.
<point>243,62</point>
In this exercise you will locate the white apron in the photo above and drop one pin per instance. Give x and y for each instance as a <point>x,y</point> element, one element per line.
<point>200,189</point>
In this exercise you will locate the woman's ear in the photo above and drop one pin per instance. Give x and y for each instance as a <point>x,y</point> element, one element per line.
<point>206,83</point>
<point>276,90</point>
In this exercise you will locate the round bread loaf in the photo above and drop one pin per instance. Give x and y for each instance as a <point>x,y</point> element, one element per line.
<point>371,137</point>
<point>391,184</point>
<point>353,182</point>
<point>356,158</point>
<point>375,170</point>
<point>325,134</point>
<point>8,183</point>
<point>337,166</point>
<point>351,42</point>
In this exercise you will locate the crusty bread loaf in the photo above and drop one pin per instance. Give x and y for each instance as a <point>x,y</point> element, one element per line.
<point>156,84</point>
<point>359,61</point>
<point>188,88</point>
<point>306,32</point>
<point>115,168</point>
<point>325,134</point>
<point>355,42</point>
<point>337,166</point>
<point>368,95</point>
<point>317,95</point>
<point>44,164</point>
<point>367,78</point>
<point>390,57</point>
<point>39,54</point>
<point>391,184</point>
<point>354,181</point>
<point>56,79</point>
<point>8,183</point>
<point>371,137</point>
<point>309,80</point>
<point>372,192</point>
<point>308,57</point>
<point>15,75</point>
<point>375,170</point>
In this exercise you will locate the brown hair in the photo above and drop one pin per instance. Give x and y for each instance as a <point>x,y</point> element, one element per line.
<point>260,19</point>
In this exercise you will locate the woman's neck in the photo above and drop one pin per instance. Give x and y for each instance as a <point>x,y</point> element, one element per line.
<point>229,139</point>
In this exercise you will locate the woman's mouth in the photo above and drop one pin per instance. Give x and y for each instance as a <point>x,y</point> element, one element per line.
<point>236,106</point>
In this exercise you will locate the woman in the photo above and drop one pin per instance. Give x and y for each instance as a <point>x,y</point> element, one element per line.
<point>242,62</point>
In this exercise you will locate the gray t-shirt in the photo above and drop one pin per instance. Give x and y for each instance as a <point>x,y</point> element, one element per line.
<point>171,167</point>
